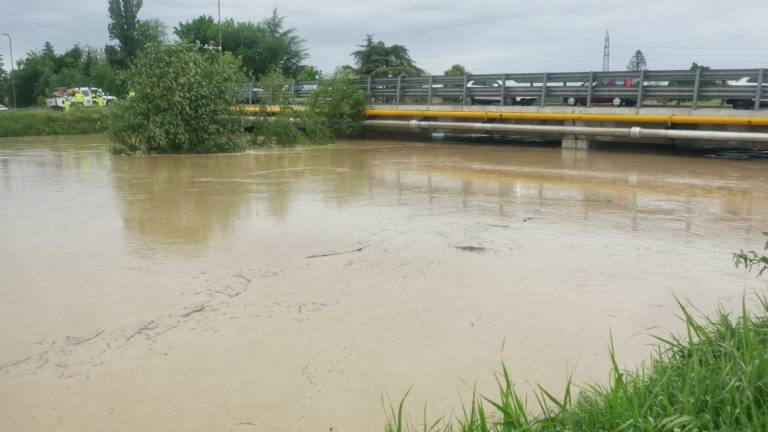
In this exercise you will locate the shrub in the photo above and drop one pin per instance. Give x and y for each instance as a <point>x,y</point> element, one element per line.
<point>181,102</point>
<point>340,102</point>
<point>335,109</point>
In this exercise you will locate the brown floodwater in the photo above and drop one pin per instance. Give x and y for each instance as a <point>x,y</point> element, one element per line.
<point>288,289</point>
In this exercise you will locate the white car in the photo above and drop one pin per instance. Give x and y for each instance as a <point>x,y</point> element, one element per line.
<point>3,108</point>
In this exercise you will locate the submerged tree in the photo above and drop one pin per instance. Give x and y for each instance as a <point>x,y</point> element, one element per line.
<point>189,113</point>
<point>637,62</point>
<point>376,59</point>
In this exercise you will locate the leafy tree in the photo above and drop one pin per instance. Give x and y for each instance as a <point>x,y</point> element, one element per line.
<point>32,78</point>
<point>123,29</point>
<point>376,59</point>
<point>190,113</point>
<point>457,70</point>
<point>40,72</point>
<point>282,46</point>
<point>695,66</point>
<point>151,31</point>
<point>199,31</point>
<point>261,46</point>
<point>3,82</point>
<point>309,73</point>
<point>637,62</point>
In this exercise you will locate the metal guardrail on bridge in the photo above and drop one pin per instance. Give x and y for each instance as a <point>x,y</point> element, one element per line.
<point>741,88</point>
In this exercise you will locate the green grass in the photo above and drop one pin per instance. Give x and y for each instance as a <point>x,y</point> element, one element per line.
<point>49,121</point>
<point>713,378</point>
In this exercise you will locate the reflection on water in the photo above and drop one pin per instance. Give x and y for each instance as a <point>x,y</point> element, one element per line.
<point>169,199</point>
<point>185,280</point>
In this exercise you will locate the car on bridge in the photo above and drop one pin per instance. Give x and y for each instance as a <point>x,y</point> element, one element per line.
<point>746,103</point>
<point>606,99</point>
<point>493,99</point>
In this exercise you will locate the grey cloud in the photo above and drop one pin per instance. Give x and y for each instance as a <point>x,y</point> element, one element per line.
<point>486,36</point>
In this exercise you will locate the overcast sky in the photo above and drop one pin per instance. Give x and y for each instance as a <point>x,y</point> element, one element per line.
<point>486,36</point>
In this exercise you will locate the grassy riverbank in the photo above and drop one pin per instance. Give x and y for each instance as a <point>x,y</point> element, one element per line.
<point>48,121</point>
<point>715,377</point>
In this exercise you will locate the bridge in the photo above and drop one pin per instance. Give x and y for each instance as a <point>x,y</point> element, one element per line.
<point>725,106</point>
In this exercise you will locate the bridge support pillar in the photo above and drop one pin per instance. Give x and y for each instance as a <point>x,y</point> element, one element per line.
<point>579,142</point>
<point>576,142</point>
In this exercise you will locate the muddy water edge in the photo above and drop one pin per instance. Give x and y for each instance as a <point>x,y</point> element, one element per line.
<point>287,289</point>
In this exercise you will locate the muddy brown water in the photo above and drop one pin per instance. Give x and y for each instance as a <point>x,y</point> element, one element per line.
<point>289,289</point>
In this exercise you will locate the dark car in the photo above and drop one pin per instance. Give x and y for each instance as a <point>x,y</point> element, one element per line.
<point>603,99</point>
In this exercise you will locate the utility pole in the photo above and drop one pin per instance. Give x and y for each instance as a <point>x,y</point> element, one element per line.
<point>13,81</point>
<point>607,53</point>
<point>218,2</point>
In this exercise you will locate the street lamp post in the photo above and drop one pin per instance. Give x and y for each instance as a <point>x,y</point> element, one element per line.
<point>13,81</point>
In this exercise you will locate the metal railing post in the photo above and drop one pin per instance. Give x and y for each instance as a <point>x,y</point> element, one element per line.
<point>370,96</point>
<point>640,89</point>
<point>503,89</point>
<point>399,85</point>
<point>250,93</point>
<point>429,92</point>
<point>544,89</point>
<point>590,85</point>
<point>696,84</point>
<point>759,89</point>
<point>464,94</point>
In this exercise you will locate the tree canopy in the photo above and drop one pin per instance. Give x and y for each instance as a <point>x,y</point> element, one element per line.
<point>122,29</point>
<point>43,71</point>
<point>457,70</point>
<point>262,46</point>
<point>376,59</point>
<point>637,62</point>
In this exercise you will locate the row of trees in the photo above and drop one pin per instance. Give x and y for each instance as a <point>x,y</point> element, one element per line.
<point>261,47</point>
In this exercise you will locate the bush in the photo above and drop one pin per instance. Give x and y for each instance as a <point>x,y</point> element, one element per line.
<point>340,103</point>
<point>182,102</point>
<point>335,109</point>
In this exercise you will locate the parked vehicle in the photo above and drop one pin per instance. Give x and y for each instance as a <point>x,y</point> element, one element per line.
<point>602,99</point>
<point>747,103</point>
<point>258,94</point>
<point>3,108</point>
<point>492,99</point>
<point>85,96</point>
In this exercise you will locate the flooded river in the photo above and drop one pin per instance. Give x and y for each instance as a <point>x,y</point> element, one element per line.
<point>289,289</point>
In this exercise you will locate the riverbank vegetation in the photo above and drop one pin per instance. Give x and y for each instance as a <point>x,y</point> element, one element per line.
<point>335,109</point>
<point>182,103</point>
<point>714,378</point>
<point>46,121</point>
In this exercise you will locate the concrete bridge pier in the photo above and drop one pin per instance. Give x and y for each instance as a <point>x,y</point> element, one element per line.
<point>580,142</point>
